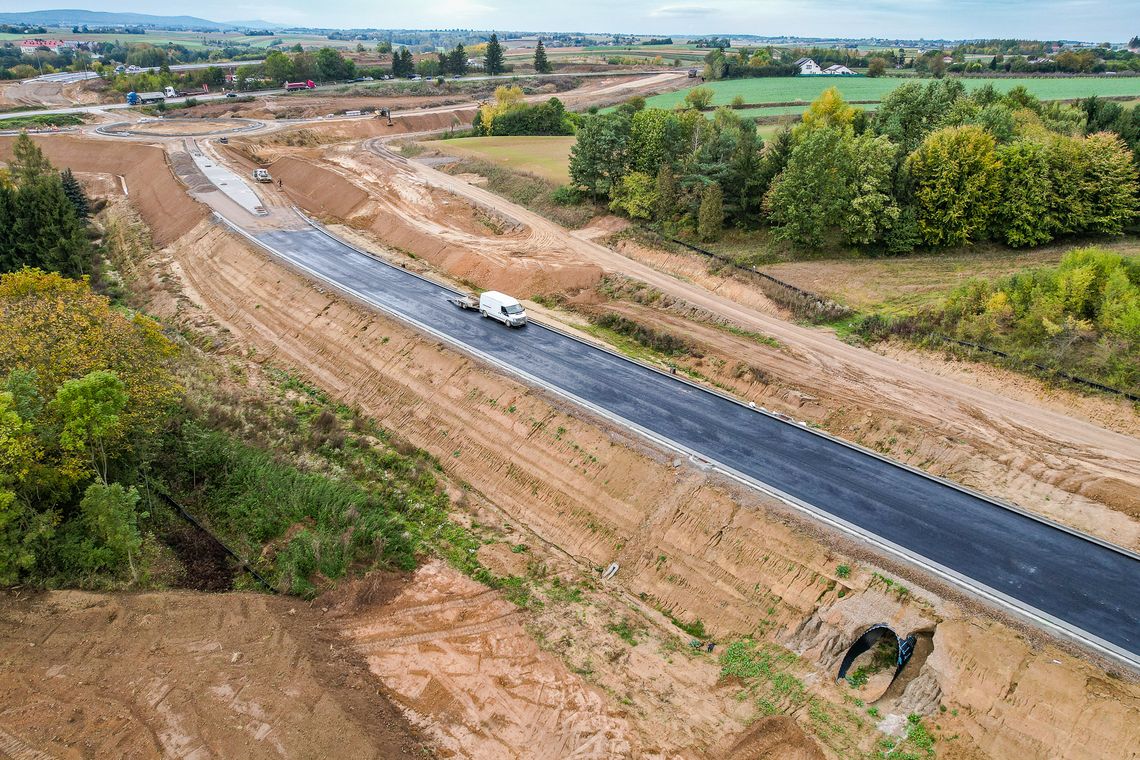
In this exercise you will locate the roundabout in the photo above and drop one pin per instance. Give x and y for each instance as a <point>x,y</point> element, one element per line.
<point>176,127</point>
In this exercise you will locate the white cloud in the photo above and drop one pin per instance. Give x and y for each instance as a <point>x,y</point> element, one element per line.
<point>679,11</point>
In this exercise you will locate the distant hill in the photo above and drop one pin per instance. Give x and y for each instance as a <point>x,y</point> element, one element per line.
<point>72,17</point>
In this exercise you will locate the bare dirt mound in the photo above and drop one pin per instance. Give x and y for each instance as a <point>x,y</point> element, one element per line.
<point>185,675</point>
<point>336,130</point>
<point>153,189</point>
<point>458,659</point>
<point>776,736</point>
<point>318,191</point>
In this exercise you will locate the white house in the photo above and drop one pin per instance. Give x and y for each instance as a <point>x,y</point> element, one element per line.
<point>838,69</point>
<point>808,66</point>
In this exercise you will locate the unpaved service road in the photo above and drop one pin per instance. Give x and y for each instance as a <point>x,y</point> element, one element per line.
<point>1085,587</point>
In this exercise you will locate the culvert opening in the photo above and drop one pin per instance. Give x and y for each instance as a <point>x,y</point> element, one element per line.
<point>876,662</point>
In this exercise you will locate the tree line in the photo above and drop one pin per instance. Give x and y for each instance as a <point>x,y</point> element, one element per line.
<point>932,167</point>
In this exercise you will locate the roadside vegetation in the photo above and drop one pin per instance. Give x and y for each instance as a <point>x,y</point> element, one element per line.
<point>1081,317</point>
<point>41,121</point>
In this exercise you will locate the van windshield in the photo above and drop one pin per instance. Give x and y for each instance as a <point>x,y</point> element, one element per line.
<point>513,309</point>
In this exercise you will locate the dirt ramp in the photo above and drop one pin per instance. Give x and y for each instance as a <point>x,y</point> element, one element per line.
<point>155,192</point>
<point>337,130</point>
<point>318,191</point>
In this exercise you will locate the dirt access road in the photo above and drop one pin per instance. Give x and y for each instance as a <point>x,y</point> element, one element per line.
<point>1090,462</point>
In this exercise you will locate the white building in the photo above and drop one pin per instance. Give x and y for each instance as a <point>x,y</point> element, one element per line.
<point>838,69</point>
<point>808,66</point>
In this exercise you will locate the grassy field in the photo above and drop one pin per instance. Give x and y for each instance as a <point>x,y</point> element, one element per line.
<point>548,157</point>
<point>807,89</point>
<point>196,40</point>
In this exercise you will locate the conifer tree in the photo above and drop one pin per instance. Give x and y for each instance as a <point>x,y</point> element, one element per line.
<point>541,65</point>
<point>493,63</point>
<point>74,192</point>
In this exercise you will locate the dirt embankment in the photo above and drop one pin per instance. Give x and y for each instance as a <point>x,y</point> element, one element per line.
<point>687,543</point>
<point>152,188</point>
<point>186,675</point>
<point>470,241</point>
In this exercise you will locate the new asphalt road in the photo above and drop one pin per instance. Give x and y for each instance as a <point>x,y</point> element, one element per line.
<point>1088,588</point>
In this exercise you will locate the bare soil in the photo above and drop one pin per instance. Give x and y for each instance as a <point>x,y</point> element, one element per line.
<point>186,675</point>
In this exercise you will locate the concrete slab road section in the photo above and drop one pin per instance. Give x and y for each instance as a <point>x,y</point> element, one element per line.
<point>1075,585</point>
<point>226,180</point>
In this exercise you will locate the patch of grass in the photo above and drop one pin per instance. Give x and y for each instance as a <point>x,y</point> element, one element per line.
<point>624,631</point>
<point>545,157</point>
<point>42,120</point>
<point>696,628</point>
<point>843,571</point>
<point>528,190</point>
<point>794,90</point>
<point>651,338</point>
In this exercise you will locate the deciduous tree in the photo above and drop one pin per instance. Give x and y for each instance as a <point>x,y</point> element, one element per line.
<point>953,176</point>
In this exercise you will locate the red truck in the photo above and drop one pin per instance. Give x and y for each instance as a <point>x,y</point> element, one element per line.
<point>293,86</point>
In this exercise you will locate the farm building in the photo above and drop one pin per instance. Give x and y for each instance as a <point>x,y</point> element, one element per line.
<point>808,66</point>
<point>838,69</point>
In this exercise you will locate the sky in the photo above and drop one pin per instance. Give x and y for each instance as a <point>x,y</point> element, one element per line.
<point>1090,20</point>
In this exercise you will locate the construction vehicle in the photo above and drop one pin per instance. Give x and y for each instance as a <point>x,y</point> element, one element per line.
<point>261,175</point>
<point>294,86</point>
<point>142,98</point>
<point>692,73</point>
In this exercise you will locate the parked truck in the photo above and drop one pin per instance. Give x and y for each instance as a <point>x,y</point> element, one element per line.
<point>142,98</point>
<point>170,92</point>
<point>294,86</point>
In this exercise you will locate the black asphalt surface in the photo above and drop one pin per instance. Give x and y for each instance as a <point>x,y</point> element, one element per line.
<point>1083,583</point>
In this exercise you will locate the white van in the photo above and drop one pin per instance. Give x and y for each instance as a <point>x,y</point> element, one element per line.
<point>502,307</point>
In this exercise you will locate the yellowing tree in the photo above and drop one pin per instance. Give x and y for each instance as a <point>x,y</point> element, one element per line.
<point>506,99</point>
<point>954,177</point>
<point>60,330</point>
<point>828,110</point>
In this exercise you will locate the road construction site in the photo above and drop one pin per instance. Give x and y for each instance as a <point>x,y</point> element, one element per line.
<point>712,508</point>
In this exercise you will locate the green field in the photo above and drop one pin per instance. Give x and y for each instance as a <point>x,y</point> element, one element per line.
<point>196,40</point>
<point>807,89</point>
<point>548,157</point>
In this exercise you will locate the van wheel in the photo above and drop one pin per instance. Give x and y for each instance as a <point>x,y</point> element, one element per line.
<point>483,313</point>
